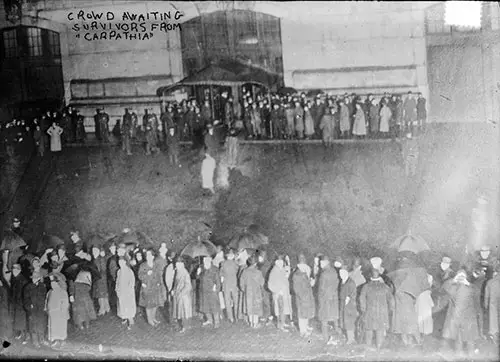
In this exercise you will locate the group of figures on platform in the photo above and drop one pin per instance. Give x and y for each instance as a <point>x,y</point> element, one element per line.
<point>355,299</point>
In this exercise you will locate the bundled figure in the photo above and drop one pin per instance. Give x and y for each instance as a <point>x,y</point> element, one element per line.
<point>328,297</point>
<point>327,127</point>
<point>172,141</point>
<point>55,137</point>
<point>304,298</point>
<point>18,282</point>
<point>125,292</point>
<point>424,305</point>
<point>34,304</point>
<point>461,323</point>
<point>376,303</point>
<point>348,305</point>
<point>57,308</point>
<point>153,294</point>
<point>100,286</point>
<point>82,305</point>
<point>229,279</point>
<point>252,284</point>
<point>279,285</point>
<point>182,291</point>
<point>209,292</point>
<point>127,132</point>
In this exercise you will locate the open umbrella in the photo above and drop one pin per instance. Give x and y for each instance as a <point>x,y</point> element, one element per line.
<point>74,266</point>
<point>11,241</point>
<point>249,240</point>
<point>411,243</point>
<point>136,238</point>
<point>314,92</point>
<point>287,90</point>
<point>199,248</point>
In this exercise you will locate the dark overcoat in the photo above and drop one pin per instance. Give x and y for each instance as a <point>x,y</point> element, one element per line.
<point>209,298</point>
<point>18,313</point>
<point>328,295</point>
<point>34,304</point>
<point>152,292</point>
<point>100,286</point>
<point>376,301</point>
<point>349,311</point>
<point>461,316</point>
<point>304,298</point>
<point>252,284</point>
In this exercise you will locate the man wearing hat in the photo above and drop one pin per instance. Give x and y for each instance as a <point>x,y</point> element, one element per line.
<point>127,132</point>
<point>16,226</point>
<point>172,141</point>
<point>328,297</point>
<point>104,125</point>
<point>97,124</point>
<point>486,260</point>
<point>446,271</point>
<point>210,140</point>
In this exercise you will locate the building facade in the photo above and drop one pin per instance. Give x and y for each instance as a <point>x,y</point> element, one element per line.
<point>366,47</point>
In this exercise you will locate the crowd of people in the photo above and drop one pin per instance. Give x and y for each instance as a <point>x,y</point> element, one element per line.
<point>48,131</point>
<point>354,300</point>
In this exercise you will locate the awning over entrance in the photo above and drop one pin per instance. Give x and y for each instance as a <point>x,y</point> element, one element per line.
<point>225,73</point>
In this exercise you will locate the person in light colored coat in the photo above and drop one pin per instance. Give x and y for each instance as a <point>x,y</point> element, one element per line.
<point>492,302</point>
<point>359,127</point>
<point>229,279</point>
<point>279,285</point>
<point>57,308</point>
<point>125,293</point>
<point>182,288</point>
<point>55,137</point>
<point>327,127</point>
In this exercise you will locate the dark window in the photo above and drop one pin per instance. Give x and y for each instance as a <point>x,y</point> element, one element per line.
<point>54,45</point>
<point>278,63</point>
<point>35,42</point>
<point>10,43</point>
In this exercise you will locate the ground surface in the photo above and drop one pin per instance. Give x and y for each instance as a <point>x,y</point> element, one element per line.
<point>236,341</point>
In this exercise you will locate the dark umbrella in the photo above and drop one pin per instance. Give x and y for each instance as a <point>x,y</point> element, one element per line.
<point>74,266</point>
<point>199,248</point>
<point>314,92</point>
<point>11,241</point>
<point>135,238</point>
<point>249,240</point>
<point>287,90</point>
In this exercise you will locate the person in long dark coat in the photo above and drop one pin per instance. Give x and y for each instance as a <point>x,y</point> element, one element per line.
<point>376,302</point>
<point>265,266</point>
<point>328,296</point>
<point>6,331</point>
<point>153,293</point>
<point>229,279</point>
<point>304,298</point>
<point>348,305</point>
<point>82,306</point>
<point>209,292</point>
<point>100,286</point>
<point>18,282</point>
<point>492,303</point>
<point>252,285</point>
<point>34,303</point>
<point>461,323</point>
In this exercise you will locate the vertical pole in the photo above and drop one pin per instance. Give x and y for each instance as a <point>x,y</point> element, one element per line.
<point>212,101</point>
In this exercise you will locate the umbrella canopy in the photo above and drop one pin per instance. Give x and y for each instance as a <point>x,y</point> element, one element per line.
<point>199,248</point>
<point>74,266</point>
<point>287,90</point>
<point>135,238</point>
<point>249,240</point>
<point>411,243</point>
<point>314,92</point>
<point>99,240</point>
<point>11,241</point>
